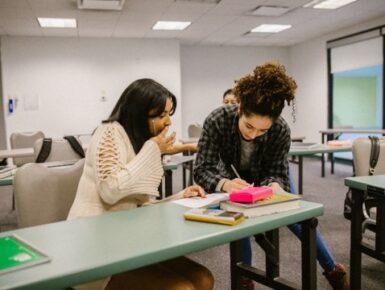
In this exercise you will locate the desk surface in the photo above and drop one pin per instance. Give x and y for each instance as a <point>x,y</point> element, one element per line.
<point>91,248</point>
<point>319,149</point>
<point>6,181</point>
<point>353,131</point>
<point>363,182</point>
<point>21,152</point>
<point>176,160</point>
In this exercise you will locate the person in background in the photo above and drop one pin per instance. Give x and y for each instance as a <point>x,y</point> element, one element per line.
<point>123,170</point>
<point>255,139</point>
<point>229,98</point>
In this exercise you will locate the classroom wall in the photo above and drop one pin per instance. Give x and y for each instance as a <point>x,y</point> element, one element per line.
<point>207,71</point>
<point>59,82</point>
<point>308,64</point>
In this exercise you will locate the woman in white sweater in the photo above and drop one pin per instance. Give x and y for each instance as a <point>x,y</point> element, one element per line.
<point>123,170</point>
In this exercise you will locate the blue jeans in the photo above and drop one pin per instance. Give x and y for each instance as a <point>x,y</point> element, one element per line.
<point>324,256</point>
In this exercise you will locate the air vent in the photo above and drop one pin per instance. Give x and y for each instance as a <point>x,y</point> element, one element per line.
<point>270,11</point>
<point>101,4</point>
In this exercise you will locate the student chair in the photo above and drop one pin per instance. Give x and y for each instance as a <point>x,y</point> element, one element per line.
<point>45,194</point>
<point>24,140</point>
<point>364,165</point>
<point>194,130</point>
<point>59,150</point>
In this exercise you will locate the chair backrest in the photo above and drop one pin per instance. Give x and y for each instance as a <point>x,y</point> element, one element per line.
<point>24,140</point>
<point>194,130</point>
<point>361,157</point>
<point>45,194</point>
<point>60,150</point>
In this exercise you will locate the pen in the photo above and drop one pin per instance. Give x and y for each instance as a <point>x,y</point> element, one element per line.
<point>237,174</point>
<point>235,171</point>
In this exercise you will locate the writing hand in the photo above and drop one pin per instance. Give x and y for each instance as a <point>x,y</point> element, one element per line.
<point>235,184</point>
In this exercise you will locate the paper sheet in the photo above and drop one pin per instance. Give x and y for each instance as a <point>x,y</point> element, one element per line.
<point>196,202</point>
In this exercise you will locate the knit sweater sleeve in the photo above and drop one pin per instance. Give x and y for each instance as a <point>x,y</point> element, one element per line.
<point>118,178</point>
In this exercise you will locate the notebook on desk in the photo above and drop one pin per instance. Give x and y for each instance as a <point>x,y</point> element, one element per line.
<point>17,253</point>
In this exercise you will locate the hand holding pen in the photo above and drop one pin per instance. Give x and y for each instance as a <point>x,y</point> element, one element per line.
<point>236,183</point>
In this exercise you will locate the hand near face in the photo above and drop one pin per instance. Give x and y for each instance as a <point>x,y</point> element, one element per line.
<point>194,190</point>
<point>235,184</point>
<point>164,142</point>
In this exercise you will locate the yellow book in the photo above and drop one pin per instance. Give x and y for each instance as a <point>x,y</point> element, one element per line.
<point>214,216</point>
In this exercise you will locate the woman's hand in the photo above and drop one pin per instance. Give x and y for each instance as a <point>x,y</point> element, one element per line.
<point>179,148</point>
<point>235,184</point>
<point>164,142</point>
<point>194,190</point>
<point>276,188</point>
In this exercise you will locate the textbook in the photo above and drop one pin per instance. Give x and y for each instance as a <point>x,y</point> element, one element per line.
<point>17,254</point>
<point>6,171</point>
<point>274,204</point>
<point>304,145</point>
<point>214,216</point>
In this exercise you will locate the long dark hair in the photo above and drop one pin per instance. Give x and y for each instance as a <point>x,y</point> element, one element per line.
<point>142,99</point>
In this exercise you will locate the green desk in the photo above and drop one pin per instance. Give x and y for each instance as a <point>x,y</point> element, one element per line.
<point>175,161</point>
<point>374,187</point>
<point>312,151</point>
<point>87,249</point>
<point>6,181</point>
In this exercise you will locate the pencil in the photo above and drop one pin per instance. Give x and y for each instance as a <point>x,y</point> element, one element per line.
<point>235,171</point>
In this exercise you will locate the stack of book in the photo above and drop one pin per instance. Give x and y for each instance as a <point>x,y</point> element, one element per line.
<point>274,204</point>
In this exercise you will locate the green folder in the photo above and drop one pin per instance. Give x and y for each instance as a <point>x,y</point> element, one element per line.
<point>16,253</point>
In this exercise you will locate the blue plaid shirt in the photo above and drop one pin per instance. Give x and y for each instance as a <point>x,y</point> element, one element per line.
<point>220,146</point>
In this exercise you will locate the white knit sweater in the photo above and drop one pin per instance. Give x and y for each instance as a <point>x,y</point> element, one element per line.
<point>115,178</point>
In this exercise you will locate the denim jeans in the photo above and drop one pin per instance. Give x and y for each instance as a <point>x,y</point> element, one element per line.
<point>324,256</point>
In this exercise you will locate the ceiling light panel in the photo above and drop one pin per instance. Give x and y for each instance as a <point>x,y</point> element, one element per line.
<point>57,22</point>
<point>328,4</point>
<point>171,25</point>
<point>270,10</point>
<point>270,28</point>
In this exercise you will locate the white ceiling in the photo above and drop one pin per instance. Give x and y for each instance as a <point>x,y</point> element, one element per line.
<point>225,23</point>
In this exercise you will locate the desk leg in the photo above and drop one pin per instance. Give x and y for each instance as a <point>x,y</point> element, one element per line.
<point>309,254</point>
<point>380,225</point>
<point>355,239</point>
<point>168,182</point>
<point>235,258</point>
<point>331,163</point>
<point>191,179</point>
<point>323,157</point>
<point>184,175</point>
<point>300,174</point>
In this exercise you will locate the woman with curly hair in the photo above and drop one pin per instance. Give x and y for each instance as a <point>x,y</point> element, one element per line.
<point>254,138</point>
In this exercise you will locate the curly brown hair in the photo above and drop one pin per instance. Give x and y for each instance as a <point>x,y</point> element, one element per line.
<point>265,91</point>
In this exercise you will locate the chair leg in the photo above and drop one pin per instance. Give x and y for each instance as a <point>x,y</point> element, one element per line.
<point>13,201</point>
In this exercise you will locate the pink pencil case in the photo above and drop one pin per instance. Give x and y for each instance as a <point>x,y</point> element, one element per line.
<point>251,194</point>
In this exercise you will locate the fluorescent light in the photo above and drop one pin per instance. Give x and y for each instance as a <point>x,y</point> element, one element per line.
<point>328,4</point>
<point>57,22</point>
<point>271,28</point>
<point>171,25</point>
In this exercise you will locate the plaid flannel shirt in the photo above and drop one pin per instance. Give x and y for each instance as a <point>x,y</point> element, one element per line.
<point>220,146</point>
